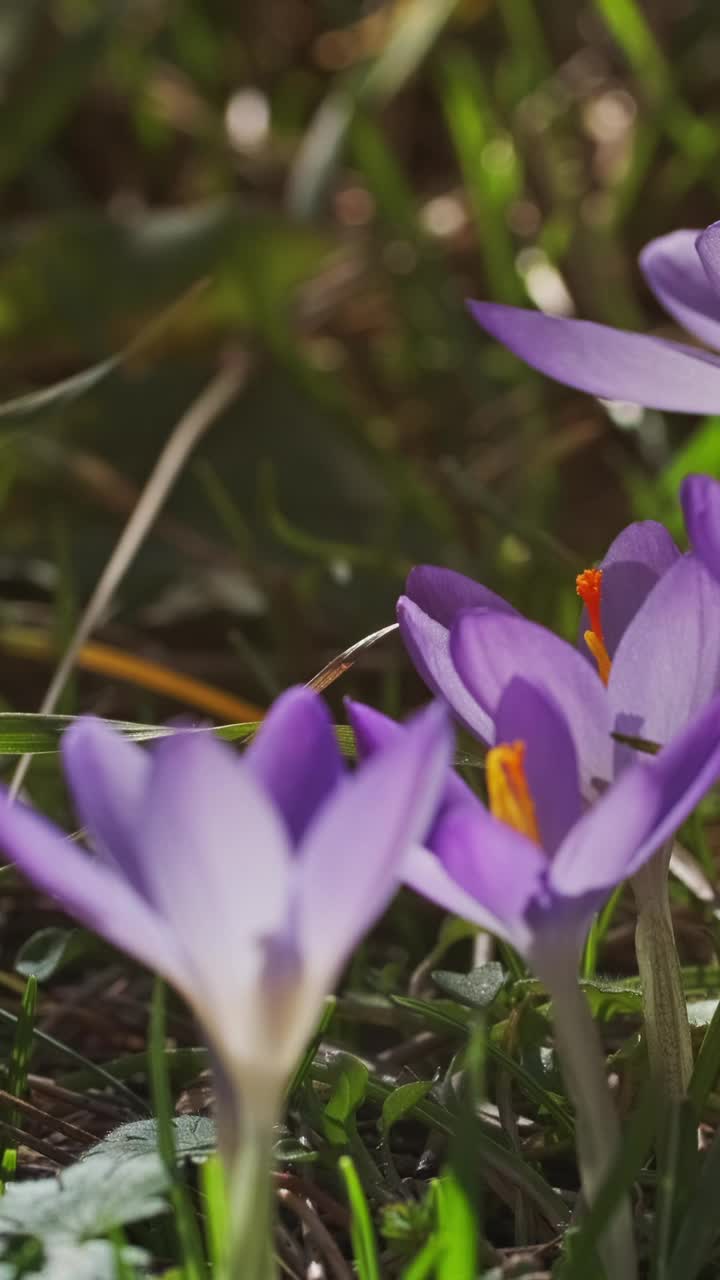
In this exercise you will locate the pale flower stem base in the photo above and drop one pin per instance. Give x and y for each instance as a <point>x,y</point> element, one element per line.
<point>597,1126</point>
<point>250,1254</point>
<point>667,1028</point>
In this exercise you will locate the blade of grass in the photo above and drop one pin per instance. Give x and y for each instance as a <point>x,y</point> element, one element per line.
<point>199,417</point>
<point>116,663</point>
<point>700,1228</point>
<point>362,1232</point>
<point>92,1069</point>
<point>677,1177</point>
<point>635,1149</point>
<point>490,166</point>
<point>19,1066</point>
<point>410,39</point>
<point>212,1180</point>
<point>185,1221</point>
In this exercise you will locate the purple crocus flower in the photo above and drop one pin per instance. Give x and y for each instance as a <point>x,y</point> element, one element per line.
<point>245,881</point>
<point>683,271</point>
<point>648,653</point>
<point>700,497</point>
<point>536,866</point>
<point>648,662</point>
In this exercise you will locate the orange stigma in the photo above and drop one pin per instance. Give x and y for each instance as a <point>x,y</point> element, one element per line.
<point>589,588</point>
<point>508,791</point>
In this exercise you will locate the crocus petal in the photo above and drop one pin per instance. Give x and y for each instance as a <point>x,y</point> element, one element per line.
<point>529,715</point>
<point>708,247</point>
<point>667,664</point>
<point>295,757</point>
<point>700,497</point>
<point>674,270</point>
<point>490,650</point>
<point>108,776</point>
<point>217,853</point>
<point>607,362</point>
<point>373,731</point>
<point>443,593</point>
<point>424,872</point>
<point>641,554</point>
<point>89,890</point>
<point>501,869</point>
<point>640,811</point>
<point>428,643</point>
<point>351,859</point>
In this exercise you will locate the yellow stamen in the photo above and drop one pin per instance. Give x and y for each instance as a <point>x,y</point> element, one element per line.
<point>508,790</point>
<point>589,588</point>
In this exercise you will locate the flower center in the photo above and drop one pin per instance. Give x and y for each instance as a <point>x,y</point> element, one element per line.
<point>589,588</point>
<point>508,790</point>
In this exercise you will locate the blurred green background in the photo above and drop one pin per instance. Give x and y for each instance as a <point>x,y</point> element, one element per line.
<point>316,186</point>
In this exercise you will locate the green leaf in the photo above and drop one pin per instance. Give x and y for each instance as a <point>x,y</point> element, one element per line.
<point>49,950</point>
<point>707,1063</point>
<point>702,1012</point>
<point>84,1260</point>
<point>88,1199</point>
<point>476,989</point>
<point>348,1093</point>
<point>401,1101</point>
<point>608,997</point>
<point>195,1138</point>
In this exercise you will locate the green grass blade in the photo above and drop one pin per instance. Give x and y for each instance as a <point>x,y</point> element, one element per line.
<point>19,1065</point>
<point>636,1147</point>
<point>700,1228</point>
<point>185,1221</point>
<point>361,1230</point>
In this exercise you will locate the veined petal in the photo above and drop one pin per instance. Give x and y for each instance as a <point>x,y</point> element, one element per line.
<point>606,362</point>
<point>295,757</point>
<point>108,776</point>
<point>218,855</point>
<point>443,593</point>
<point>373,731</point>
<point>708,247</point>
<point>532,716</point>
<point>700,497</point>
<point>91,891</point>
<point>428,643</point>
<point>350,861</point>
<point>667,665</point>
<point>674,270</point>
<point>502,870</point>
<point>426,873</point>
<point>640,811</point>
<point>640,554</point>
<point>491,649</point>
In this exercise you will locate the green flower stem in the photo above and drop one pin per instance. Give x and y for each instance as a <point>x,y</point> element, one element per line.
<point>667,1029</point>
<point>251,1208</point>
<point>247,1108</point>
<point>597,1127</point>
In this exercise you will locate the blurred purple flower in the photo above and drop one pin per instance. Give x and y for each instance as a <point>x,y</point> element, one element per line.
<point>536,867</point>
<point>683,271</point>
<point>244,881</point>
